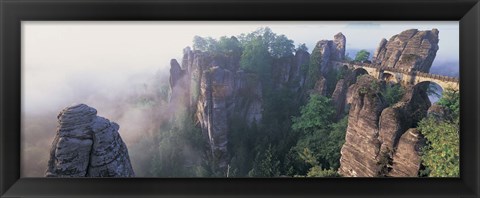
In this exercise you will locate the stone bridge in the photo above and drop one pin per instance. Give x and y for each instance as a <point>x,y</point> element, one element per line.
<point>396,75</point>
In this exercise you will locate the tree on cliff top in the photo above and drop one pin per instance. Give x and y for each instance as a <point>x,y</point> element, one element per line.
<point>224,45</point>
<point>362,56</point>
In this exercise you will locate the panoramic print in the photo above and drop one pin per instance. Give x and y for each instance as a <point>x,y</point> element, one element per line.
<point>240,99</point>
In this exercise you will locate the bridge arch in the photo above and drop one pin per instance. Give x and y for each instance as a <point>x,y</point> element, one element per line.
<point>389,77</point>
<point>444,85</point>
<point>360,71</point>
<point>433,89</point>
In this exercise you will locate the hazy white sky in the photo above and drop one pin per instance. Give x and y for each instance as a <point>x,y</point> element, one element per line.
<point>60,60</point>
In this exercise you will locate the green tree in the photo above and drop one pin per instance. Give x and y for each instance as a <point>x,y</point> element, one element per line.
<point>281,46</point>
<point>200,43</point>
<point>266,164</point>
<point>229,46</point>
<point>362,55</point>
<point>451,100</point>
<point>316,114</point>
<point>255,57</point>
<point>393,93</point>
<point>316,169</point>
<point>319,134</point>
<point>441,155</point>
<point>302,46</point>
<point>313,71</point>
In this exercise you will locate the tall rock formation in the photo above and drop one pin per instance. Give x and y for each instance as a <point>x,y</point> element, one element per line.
<point>405,114</point>
<point>213,104</point>
<point>362,146</point>
<point>330,50</point>
<point>407,160</point>
<point>391,143</point>
<point>325,52</point>
<point>409,50</point>
<point>87,145</point>
<point>339,42</point>
<point>375,131</point>
<point>216,89</point>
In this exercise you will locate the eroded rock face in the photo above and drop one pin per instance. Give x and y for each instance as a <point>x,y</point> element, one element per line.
<point>407,160</point>
<point>403,115</point>
<point>409,50</point>
<point>339,41</point>
<point>339,96</point>
<point>248,98</point>
<point>362,146</point>
<point>371,143</point>
<point>330,50</point>
<point>302,58</point>
<point>87,145</point>
<point>212,111</point>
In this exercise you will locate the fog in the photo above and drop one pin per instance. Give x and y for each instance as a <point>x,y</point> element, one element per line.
<point>111,66</point>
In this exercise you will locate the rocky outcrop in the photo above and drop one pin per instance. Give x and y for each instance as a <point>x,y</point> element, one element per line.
<point>407,160</point>
<point>212,110</point>
<point>297,75</point>
<point>339,42</point>
<point>287,71</point>
<point>216,90</point>
<point>409,50</point>
<point>320,86</point>
<point>387,143</point>
<point>362,146</point>
<point>438,112</point>
<point>405,114</point>
<point>374,130</point>
<point>329,50</point>
<point>339,96</point>
<point>178,83</point>
<point>247,98</point>
<point>87,145</point>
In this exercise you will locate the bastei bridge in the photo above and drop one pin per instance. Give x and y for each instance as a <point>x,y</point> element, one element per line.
<point>402,76</point>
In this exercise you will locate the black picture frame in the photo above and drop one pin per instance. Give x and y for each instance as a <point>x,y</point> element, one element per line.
<point>12,12</point>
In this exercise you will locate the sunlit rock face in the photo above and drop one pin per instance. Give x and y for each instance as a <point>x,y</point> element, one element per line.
<point>407,158</point>
<point>362,146</point>
<point>214,100</point>
<point>409,50</point>
<point>375,131</point>
<point>383,141</point>
<point>87,145</point>
<point>330,50</point>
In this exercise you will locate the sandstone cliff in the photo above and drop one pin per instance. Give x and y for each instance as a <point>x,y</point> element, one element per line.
<point>406,161</point>
<point>362,146</point>
<point>215,89</point>
<point>409,50</point>
<point>385,142</point>
<point>87,145</point>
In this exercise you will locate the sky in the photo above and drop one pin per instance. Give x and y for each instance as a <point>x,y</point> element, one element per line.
<point>65,63</point>
<point>101,55</point>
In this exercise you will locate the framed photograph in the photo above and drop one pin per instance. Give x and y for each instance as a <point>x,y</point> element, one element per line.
<point>239,98</point>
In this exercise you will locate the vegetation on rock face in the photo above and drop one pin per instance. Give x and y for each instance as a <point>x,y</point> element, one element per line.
<point>393,93</point>
<point>441,155</point>
<point>313,71</point>
<point>297,136</point>
<point>320,136</point>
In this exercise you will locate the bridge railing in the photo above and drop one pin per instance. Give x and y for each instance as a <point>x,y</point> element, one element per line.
<point>404,71</point>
